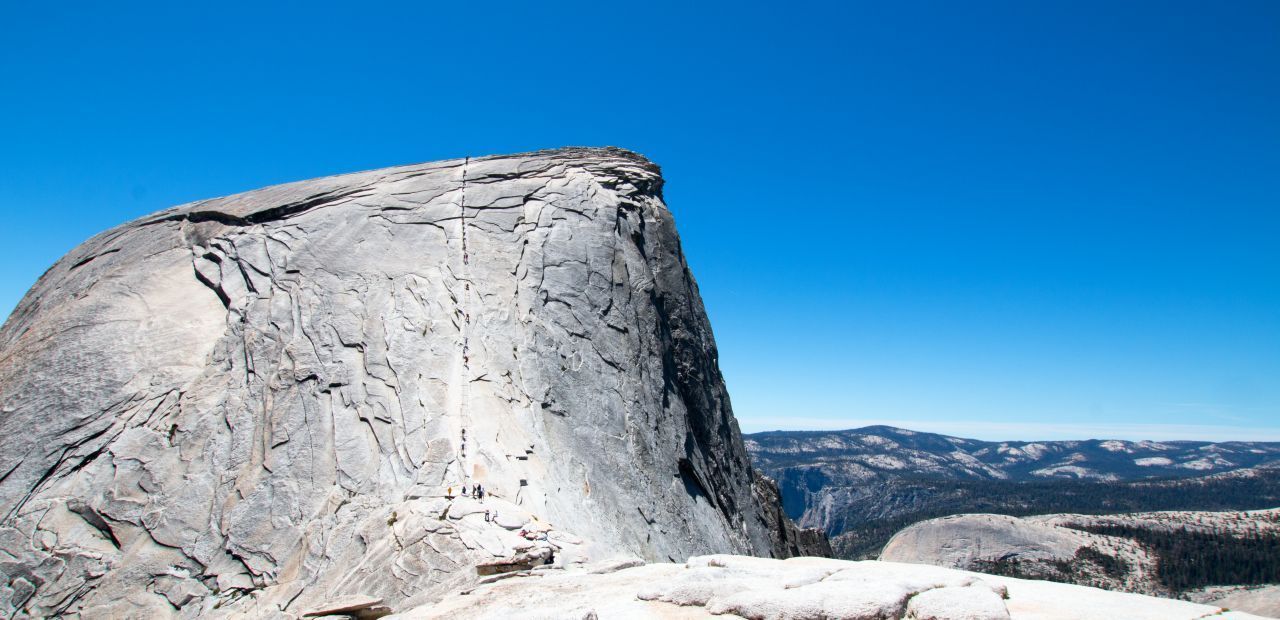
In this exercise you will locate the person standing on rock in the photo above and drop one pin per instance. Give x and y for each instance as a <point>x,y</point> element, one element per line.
<point>486,516</point>
<point>448,492</point>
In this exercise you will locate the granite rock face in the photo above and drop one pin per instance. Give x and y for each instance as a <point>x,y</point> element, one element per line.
<point>961,541</point>
<point>1107,551</point>
<point>260,403</point>
<point>1028,547</point>
<point>799,589</point>
<point>789,540</point>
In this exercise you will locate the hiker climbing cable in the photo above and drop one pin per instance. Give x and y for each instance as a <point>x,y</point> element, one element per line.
<point>463,305</point>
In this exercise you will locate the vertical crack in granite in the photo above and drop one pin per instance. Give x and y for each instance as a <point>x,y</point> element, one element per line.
<point>252,404</point>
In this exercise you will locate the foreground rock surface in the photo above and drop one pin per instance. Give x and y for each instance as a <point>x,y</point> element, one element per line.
<point>799,589</point>
<point>262,403</point>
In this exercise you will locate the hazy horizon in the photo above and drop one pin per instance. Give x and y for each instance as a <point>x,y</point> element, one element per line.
<point>1014,431</point>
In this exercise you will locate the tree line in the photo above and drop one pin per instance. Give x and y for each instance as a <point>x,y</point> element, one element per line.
<point>859,535</point>
<point>1190,558</point>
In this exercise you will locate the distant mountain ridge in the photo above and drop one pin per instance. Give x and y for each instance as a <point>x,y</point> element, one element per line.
<point>901,450</point>
<point>863,485</point>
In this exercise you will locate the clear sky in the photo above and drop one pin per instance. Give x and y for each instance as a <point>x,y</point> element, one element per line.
<point>996,219</point>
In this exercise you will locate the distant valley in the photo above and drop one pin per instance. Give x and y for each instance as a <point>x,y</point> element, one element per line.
<point>862,486</point>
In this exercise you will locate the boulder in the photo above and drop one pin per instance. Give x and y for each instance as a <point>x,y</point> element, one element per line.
<point>355,606</point>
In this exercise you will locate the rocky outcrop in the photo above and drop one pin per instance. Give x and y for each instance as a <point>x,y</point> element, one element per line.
<point>1171,554</point>
<point>1026,548</point>
<point>800,589</point>
<point>259,403</point>
<point>789,540</point>
<point>1258,600</point>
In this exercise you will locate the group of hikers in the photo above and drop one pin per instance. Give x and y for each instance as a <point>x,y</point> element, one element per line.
<point>477,492</point>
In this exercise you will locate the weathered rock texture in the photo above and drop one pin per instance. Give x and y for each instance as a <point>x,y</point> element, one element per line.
<point>789,540</point>
<point>1258,600</point>
<point>1108,551</point>
<point>1028,546</point>
<point>258,403</point>
<point>800,589</point>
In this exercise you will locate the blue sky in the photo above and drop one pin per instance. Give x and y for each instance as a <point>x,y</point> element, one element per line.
<point>995,219</point>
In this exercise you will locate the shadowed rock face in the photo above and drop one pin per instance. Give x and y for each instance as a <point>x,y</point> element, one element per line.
<point>271,393</point>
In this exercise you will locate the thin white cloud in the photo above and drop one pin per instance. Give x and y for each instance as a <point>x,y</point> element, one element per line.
<point>1024,431</point>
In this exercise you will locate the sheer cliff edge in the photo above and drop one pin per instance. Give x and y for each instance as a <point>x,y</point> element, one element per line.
<point>257,403</point>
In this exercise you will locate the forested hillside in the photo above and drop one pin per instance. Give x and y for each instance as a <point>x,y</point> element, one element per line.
<point>1195,555</point>
<point>1190,558</point>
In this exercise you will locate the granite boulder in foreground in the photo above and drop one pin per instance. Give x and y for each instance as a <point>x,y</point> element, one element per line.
<point>798,589</point>
<point>260,403</point>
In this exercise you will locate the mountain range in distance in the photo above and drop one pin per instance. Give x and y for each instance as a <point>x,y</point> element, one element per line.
<point>863,485</point>
<point>888,448</point>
